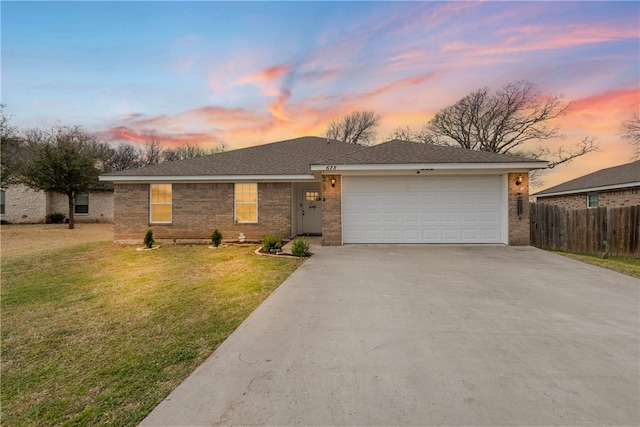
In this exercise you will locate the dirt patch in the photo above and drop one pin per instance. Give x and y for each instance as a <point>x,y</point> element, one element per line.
<point>20,239</point>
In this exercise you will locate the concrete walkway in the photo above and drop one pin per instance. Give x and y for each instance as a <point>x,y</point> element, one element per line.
<point>314,242</point>
<point>427,335</point>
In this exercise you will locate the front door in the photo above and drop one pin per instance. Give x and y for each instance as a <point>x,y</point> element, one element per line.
<point>311,212</point>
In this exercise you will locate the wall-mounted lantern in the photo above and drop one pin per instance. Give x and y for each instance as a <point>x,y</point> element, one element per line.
<point>333,182</point>
<point>519,180</point>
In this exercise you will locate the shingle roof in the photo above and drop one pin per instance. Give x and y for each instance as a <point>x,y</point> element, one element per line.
<point>405,152</point>
<point>290,157</point>
<point>295,157</point>
<point>618,175</point>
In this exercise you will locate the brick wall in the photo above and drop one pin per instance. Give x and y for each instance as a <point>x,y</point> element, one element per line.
<point>518,224</point>
<point>24,205</point>
<point>130,212</point>
<point>332,211</point>
<point>100,206</point>
<point>607,199</point>
<point>200,208</point>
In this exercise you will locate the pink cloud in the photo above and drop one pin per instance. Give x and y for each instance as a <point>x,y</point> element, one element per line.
<point>277,108</point>
<point>267,74</point>
<point>603,113</point>
<point>214,115</point>
<point>533,38</point>
<point>121,133</point>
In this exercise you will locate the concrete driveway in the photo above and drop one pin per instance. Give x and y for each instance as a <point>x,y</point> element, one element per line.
<point>427,335</point>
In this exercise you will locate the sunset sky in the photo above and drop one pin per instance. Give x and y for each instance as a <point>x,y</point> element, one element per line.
<point>248,73</point>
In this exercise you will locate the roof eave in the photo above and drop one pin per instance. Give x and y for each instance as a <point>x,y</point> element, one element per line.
<point>588,189</point>
<point>204,178</point>
<point>515,166</point>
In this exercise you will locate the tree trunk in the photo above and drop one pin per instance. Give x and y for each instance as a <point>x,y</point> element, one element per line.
<point>71,206</point>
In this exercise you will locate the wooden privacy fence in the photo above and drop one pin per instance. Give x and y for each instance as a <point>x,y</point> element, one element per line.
<point>584,230</point>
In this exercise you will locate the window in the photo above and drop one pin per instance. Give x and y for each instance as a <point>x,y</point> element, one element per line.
<point>592,200</point>
<point>160,209</point>
<point>82,204</point>
<point>311,196</point>
<point>247,202</point>
<point>1,202</point>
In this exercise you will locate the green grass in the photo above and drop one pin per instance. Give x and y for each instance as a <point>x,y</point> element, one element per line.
<point>100,333</point>
<point>625,265</point>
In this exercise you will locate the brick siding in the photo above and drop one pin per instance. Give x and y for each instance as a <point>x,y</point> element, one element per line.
<point>100,206</point>
<point>200,208</point>
<point>24,205</point>
<point>518,224</point>
<point>607,199</point>
<point>332,211</point>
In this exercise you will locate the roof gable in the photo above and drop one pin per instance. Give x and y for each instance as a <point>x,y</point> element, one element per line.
<point>615,176</point>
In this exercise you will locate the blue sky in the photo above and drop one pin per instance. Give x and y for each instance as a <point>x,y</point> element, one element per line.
<point>253,72</point>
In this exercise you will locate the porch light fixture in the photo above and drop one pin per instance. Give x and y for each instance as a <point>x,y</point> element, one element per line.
<point>333,182</point>
<point>519,180</point>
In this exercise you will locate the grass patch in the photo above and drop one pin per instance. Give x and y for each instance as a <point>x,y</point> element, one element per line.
<point>625,265</point>
<point>97,333</point>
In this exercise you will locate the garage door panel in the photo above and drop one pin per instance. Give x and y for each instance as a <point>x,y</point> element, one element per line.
<point>411,217</point>
<point>470,234</point>
<point>429,218</point>
<point>451,235</point>
<point>469,217</point>
<point>373,218</point>
<point>449,217</point>
<point>449,200</point>
<point>422,209</point>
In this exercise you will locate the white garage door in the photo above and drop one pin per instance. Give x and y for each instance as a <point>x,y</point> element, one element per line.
<point>421,209</point>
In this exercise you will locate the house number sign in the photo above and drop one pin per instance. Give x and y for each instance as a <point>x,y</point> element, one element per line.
<point>331,167</point>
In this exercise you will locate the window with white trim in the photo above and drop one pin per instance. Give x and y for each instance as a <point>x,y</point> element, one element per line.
<point>81,204</point>
<point>592,200</point>
<point>160,203</point>
<point>246,202</point>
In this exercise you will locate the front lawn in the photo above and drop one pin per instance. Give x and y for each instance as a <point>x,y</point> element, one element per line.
<point>97,333</point>
<point>625,265</point>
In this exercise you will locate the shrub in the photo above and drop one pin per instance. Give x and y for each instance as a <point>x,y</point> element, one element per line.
<point>148,239</point>
<point>216,238</point>
<point>55,218</point>
<point>4,222</point>
<point>301,248</point>
<point>271,241</point>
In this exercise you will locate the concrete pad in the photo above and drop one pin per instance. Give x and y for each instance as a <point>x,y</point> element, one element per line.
<point>427,335</point>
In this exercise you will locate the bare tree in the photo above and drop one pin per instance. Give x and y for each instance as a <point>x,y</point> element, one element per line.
<point>151,153</point>
<point>498,122</point>
<point>183,152</point>
<point>125,156</point>
<point>559,156</point>
<point>12,151</point>
<point>221,148</point>
<point>503,121</point>
<point>408,134</point>
<point>357,127</point>
<point>631,132</point>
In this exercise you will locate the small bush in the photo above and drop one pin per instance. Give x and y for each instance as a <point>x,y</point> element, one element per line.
<point>55,218</point>
<point>271,241</point>
<point>4,222</point>
<point>301,248</point>
<point>216,238</point>
<point>148,239</point>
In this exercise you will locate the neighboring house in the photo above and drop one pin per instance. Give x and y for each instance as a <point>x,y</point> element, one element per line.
<point>21,204</point>
<point>612,187</point>
<point>395,192</point>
